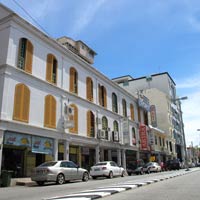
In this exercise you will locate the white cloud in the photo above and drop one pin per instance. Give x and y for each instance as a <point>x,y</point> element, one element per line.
<point>190,108</point>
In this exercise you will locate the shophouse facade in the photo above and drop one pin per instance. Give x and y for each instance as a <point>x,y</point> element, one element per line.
<point>160,89</point>
<point>55,105</point>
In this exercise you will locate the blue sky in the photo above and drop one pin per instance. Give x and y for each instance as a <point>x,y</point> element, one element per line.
<point>132,37</point>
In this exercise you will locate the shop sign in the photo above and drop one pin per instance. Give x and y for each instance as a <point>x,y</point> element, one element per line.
<point>143,102</point>
<point>42,145</point>
<point>17,139</point>
<point>153,115</point>
<point>143,137</point>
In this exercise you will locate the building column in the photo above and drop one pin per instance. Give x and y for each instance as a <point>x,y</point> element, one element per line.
<point>137,155</point>
<point>124,158</point>
<point>119,157</point>
<point>55,153</point>
<point>1,147</point>
<point>97,151</point>
<point>109,154</point>
<point>101,154</point>
<point>66,150</point>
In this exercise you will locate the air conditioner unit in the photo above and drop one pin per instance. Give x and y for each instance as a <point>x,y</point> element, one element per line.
<point>68,110</point>
<point>102,134</point>
<point>115,136</point>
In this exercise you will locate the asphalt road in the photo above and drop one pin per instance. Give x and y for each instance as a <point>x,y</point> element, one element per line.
<point>188,184</point>
<point>186,187</point>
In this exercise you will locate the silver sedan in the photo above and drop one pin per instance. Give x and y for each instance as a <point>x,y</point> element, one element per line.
<point>59,172</point>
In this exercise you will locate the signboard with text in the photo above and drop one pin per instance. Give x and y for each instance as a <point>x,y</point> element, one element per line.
<point>143,137</point>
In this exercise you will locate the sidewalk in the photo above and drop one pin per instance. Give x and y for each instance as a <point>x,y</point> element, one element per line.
<point>22,182</point>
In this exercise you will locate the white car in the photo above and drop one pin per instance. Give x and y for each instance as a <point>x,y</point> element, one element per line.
<point>152,167</point>
<point>107,169</point>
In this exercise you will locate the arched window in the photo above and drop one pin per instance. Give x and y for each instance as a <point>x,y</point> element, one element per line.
<point>139,115</point>
<point>115,126</point>
<point>114,103</point>
<point>25,55</point>
<point>89,89</point>
<point>73,81</point>
<point>124,108</point>
<point>102,96</point>
<point>50,112</point>
<point>75,119</point>
<point>21,103</point>
<point>133,136</point>
<point>105,126</point>
<point>132,112</point>
<point>90,124</point>
<point>51,70</point>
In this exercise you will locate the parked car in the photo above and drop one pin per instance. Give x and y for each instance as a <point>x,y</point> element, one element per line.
<point>59,172</point>
<point>173,164</point>
<point>107,169</point>
<point>135,167</point>
<point>152,167</point>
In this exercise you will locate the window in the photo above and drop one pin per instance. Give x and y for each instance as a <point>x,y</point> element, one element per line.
<point>156,141</point>
<point>132,112</point>
<point>25,55</point>
<point>50,112</point>
<point>133,136</point>
<point>51,70</point>
<point>115,126</point>
<point>102,96</point>
<point>114,103</point>
<point>75,119</point>
<point>139,115</point>
<point>89,89</point>
<point>73,85</point>
<point>145,117</point>
<point>90,124</point>
<point>105,126</point>
<point>124,108</point>
<point>21,103</point>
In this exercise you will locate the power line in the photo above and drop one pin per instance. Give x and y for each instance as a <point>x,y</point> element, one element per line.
<point>30,16</point>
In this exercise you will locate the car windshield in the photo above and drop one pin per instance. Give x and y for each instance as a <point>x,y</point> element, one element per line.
<point>48,164</point>
<point>102,163</point>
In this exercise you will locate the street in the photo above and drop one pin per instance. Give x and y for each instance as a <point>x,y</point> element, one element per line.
<point>175,185</point>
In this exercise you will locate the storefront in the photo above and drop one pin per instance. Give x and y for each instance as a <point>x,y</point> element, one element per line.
<point>22,152</point>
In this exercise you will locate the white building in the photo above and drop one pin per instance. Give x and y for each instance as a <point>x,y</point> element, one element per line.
<point>40,78</point>
<point>160,89</point>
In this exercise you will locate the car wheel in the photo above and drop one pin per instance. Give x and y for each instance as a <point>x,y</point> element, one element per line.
<point>110,175</point>
<point>129,174</point>
<point>60,179</point>
<point>85,177</point>
<point>40,183</point>
<point>123,174</point>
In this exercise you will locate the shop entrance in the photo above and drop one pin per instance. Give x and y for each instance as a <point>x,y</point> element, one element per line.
<point>40,158</point>
<point>13,159</point>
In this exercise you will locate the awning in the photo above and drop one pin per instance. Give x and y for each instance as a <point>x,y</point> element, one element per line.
<point>156,129</point>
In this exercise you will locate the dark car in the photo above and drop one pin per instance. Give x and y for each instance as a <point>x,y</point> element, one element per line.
<point>173,164</point>
<point>135,167</point>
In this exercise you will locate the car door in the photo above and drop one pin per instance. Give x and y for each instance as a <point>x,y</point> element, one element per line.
<point>66,170</point>
<point>75,172</point>
<point>115,168</point>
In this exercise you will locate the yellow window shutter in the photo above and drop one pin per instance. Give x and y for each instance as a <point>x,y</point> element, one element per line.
<point>105,97</point>
<point>47,111</point>
<point>49,68</point>
<point>71,78</point>
<point>88,123</point>
<point>132,111</point>
<point>75,119</point>
<point>88,88</point>
<point>17,102</point>
<point>100,95</point>
<point>29,57</point>
<point>25,104</point>
<point>53,112</point>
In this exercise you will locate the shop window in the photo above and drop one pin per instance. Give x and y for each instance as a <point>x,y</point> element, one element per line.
<point>50,112</point>
<point>21,103</point>
<point>73,85</point>
<point>51,69</point>
<point>25,55</point>
<point>102,96</point>
<point>75,119</point>
<point>90,124</point>
<point>132,112</point>
<point>114,103</point>
<point>124,108</point>
<point>89,89</point>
